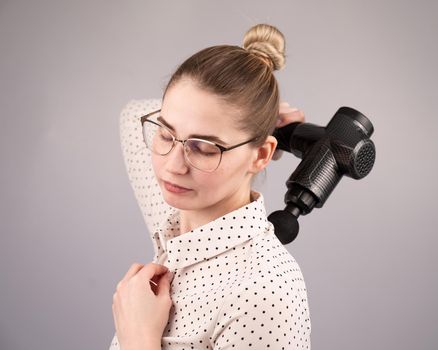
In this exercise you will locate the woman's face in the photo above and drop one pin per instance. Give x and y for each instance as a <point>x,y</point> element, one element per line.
<point>190,110</point>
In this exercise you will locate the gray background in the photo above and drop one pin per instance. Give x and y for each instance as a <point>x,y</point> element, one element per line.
<point>70,225</point>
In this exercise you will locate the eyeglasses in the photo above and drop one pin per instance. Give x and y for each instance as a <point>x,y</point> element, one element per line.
<point>202,154</point>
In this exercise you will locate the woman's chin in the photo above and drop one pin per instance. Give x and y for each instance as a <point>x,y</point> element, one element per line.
<point>178,200</point>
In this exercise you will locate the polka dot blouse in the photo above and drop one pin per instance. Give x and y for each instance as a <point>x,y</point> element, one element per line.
<point>235,285</point>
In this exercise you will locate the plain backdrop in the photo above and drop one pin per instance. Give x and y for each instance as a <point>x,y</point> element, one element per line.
<point>70,224</point>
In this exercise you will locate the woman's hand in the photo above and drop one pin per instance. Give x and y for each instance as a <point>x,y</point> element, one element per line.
<point>140,309</point>
<point>286,116</point>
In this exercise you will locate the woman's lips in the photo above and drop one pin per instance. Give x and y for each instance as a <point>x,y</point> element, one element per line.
<point>175,188</point>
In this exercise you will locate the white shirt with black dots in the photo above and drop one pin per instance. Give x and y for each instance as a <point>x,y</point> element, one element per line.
<point>235,285</point>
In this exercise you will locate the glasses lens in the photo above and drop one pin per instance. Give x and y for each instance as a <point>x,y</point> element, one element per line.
<point>157,138</point>
<point>203,154</point>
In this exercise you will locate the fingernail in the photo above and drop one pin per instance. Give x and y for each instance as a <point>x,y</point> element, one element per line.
<point>153,283</point>
<point>288,110</point>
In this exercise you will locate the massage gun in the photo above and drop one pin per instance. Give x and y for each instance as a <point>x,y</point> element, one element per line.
<point>343,147</point>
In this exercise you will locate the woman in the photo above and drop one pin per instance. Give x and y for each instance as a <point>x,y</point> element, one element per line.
<point>220,277</point>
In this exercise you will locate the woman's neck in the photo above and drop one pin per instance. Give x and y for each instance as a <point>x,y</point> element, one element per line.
<point>192,219</point>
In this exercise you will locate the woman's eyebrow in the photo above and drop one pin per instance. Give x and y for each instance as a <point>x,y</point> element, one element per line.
<point>206,137</point>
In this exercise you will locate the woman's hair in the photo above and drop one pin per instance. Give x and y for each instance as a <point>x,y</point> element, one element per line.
<point>241,77</point>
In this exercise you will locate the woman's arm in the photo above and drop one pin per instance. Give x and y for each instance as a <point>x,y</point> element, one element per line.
<point>137,159</point>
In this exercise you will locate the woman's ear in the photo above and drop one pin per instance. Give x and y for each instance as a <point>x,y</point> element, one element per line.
<point>263,154</point>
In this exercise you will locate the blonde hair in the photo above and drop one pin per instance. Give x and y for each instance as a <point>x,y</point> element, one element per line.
<point>241,77</point>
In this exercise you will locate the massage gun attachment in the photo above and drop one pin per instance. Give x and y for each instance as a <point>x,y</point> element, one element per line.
<point>343,147</point>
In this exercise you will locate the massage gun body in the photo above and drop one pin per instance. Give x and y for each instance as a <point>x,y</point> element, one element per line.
<point>341,148</point>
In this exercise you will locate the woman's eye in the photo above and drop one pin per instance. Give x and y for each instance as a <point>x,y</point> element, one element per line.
<point>165,137</point>
<point>204,149</point>
<point>209,154</point>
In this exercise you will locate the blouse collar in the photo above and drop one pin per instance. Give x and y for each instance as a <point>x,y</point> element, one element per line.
<point>213,238</point>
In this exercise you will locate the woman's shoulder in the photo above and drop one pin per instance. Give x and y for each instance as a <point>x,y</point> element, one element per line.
<point>270,289</point>
<point>275,264</point>
<point>267,299</point>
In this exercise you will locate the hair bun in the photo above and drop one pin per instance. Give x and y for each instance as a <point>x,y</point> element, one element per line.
<point>268,43</point>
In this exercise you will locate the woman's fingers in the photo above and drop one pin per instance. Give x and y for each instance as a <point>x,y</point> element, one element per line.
<point>150,270</point>
<point>132,271</point>
<point>287,109</point>
<point>164,284</point>
<point>154,273</point>
<point>288,116</point>
<point>143,272</point>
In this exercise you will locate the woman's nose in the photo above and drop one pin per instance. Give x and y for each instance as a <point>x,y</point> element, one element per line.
<point>176,161</point>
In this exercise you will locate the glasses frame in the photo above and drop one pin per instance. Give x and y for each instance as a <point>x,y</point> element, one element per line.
<point>223,149</point>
